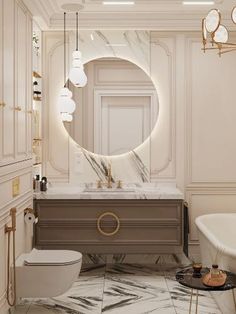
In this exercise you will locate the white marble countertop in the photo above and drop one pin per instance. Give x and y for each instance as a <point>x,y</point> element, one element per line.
<point>129,191</point>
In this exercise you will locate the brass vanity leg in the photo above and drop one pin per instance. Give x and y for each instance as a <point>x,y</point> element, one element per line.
<point>234,300</point>
<point>191,299</point>
<point>196,302</point>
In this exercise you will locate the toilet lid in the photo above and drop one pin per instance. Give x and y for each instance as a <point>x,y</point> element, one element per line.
<point>52,257</point>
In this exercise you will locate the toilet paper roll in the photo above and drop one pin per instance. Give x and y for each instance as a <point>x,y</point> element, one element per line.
<point>29,218</point>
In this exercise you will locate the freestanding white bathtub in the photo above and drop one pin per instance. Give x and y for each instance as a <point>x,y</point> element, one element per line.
<point>217,236</point>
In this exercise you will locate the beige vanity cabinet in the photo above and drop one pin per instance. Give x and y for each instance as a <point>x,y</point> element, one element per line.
<point>110,226</point>
<point>16,86</point>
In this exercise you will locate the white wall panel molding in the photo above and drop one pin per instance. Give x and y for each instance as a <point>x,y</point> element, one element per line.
<point>3,303</point>
<point>166,92</point>
<point>208,201</point>
<point>20,204</point>
<point>147,123</point>
<point>7,170</point>
<point>209,144</point>
<point>52,166</point>
<point>131,76</point>
<point>23,242</point>
<point>216,186</point>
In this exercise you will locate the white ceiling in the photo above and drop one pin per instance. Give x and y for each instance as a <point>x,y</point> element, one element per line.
<point>145,14</point>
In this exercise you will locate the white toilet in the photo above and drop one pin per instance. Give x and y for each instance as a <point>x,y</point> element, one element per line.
<point>46,273</point>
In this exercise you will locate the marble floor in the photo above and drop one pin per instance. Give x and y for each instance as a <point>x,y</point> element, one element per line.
<point>122,288</point>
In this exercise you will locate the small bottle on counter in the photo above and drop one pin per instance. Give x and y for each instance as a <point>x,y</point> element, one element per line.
<point>43,184</point>
<point>37,184</point>
<point>215,272</point>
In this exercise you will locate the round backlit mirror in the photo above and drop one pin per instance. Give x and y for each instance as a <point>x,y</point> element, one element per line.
<point>233,15</point>
<point>221,36</point>
<point>213,19</point>
<point>116,111</point>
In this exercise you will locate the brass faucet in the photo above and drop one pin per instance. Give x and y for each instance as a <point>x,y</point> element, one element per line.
<point>109,180</point>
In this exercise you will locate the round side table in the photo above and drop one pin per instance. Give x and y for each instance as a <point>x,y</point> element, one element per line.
<point>187,278</point>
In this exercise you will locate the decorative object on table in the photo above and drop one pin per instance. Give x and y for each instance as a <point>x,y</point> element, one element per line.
<point>215,278</point>
<point>186,278</point>
<point>197,270</point>
<point>218,33</point>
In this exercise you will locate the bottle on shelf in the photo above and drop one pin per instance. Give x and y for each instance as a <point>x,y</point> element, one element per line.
<point>43,184</point>
<point>37,92</point>
<point>37,183</point>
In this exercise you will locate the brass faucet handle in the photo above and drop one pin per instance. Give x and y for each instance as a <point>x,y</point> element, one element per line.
<point>99,184</point>
<point>119,184</point>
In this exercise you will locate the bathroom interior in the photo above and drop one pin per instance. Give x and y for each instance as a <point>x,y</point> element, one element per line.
<point>117,156</point>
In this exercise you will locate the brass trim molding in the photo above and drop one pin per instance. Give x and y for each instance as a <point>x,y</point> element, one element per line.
<point>108,234</point>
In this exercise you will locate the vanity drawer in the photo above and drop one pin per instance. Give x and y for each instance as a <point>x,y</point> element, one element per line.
<point>162,210</point>
<point>124,225</point>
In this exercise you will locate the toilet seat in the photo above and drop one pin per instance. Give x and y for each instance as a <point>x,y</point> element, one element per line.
<point>52,258</point>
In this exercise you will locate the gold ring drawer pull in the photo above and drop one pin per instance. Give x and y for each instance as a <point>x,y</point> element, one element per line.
<point>2,104</point>
<point>30,111</point>
<point>17,108</point>
<point>108,234</point>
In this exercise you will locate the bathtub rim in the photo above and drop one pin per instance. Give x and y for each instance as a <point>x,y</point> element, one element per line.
<point>222,248</point>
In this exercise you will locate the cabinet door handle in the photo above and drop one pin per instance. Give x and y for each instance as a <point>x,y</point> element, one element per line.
<point>30,111</point>
<point>18,108</point>
<point>2,104</point>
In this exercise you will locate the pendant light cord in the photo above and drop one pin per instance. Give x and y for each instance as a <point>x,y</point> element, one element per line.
<point>77,31</point>
<point>64,48</point>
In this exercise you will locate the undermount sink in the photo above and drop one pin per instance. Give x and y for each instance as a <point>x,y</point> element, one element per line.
<point>112,190</point>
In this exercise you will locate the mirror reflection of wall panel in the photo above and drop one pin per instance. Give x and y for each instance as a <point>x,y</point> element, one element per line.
<point>112,137</point>
<point>117,109</point>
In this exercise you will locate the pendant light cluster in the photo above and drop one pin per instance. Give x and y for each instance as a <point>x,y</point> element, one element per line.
<point>77,77</point>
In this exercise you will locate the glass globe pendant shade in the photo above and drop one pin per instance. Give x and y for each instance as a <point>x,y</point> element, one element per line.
<point>65,102</point>
<point>77,75</point>
<point>67,117</point>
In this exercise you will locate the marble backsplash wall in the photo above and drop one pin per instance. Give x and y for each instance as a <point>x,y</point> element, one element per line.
<point>135,165</point>
<point>65,160</point>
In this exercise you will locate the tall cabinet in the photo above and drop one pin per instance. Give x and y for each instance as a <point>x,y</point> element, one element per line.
<point>15,128</point>
<point>16,83</point>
